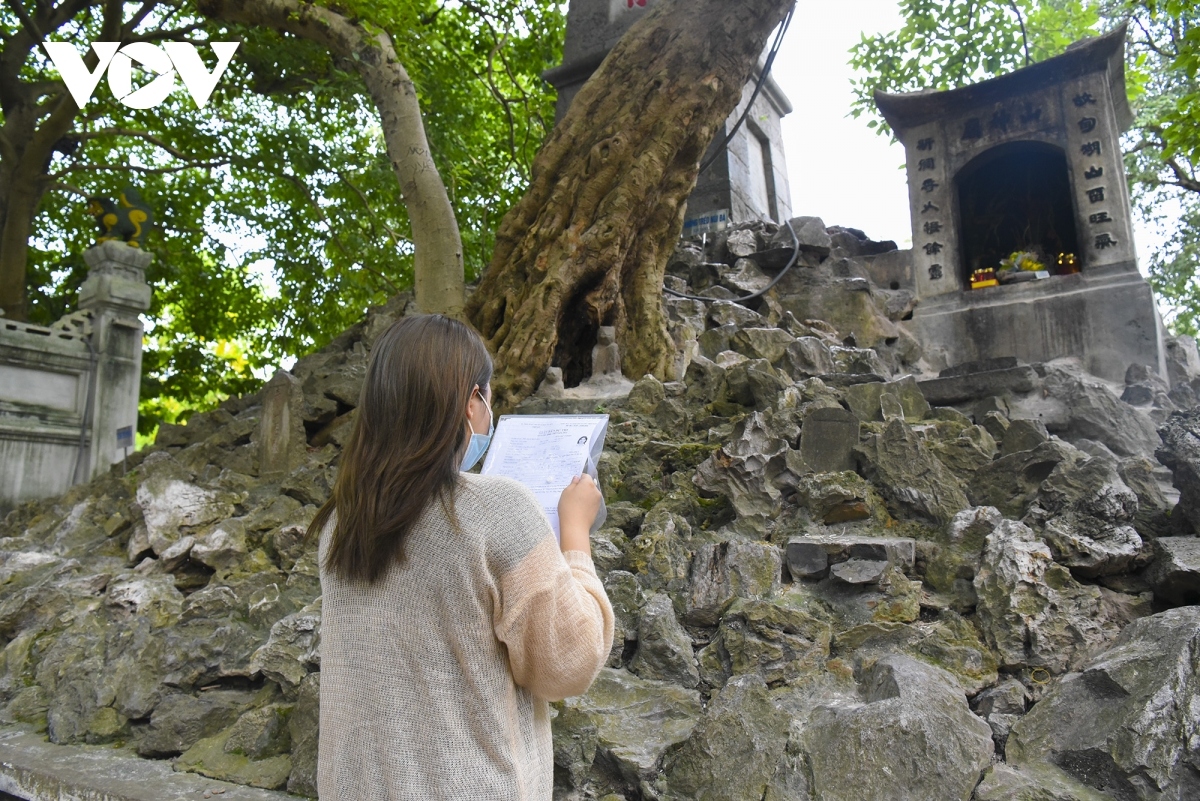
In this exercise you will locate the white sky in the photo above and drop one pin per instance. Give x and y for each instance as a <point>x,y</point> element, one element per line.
<point>840,170</point>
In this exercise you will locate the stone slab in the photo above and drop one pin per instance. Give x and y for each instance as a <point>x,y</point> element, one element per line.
<point>956,389</point>
<point>827,439</point>
<point>34,769</point>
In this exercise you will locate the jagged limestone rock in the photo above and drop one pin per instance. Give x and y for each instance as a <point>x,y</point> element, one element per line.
<point>1090,411</point>
<point>912,479</point>
<point>628,721</point>
<point>212,757</point>
<point>181,720</point>
<point>1180,451</point>
<point>293,649</point>
<point>664,650</point>
<point>303,731</point>
<point>782,640</point>
<point>1175,573</point>
<point>743,467</point>
<point>723,571</point>
<point>865,399</point>
<point>733,751</point>
<point>169,503</point>
<point>1011,483</point>
<point>1032,612</point>
<point>1002,782</point>
<point>1126,724</point>
<point>910,736</point>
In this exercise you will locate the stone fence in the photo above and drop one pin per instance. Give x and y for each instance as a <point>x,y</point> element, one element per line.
<point>69,392</point>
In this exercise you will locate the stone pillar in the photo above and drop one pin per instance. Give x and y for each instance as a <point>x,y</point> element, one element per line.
<point>115,292</point>
<point>281,436</point>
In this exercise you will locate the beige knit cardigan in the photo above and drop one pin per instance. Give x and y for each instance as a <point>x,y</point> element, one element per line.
<point>435,680</point>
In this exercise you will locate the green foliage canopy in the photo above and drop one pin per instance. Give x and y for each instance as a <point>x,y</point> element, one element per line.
<point>279,218</point>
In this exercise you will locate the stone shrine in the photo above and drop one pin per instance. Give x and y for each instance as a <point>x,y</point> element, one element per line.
<point>69,391</point>
<point>749,179</point>
<point>1027,167</point>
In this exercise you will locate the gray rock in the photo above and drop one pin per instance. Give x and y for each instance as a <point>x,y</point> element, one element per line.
<point>1091,547</point>
<point>864,399</point>
<point>664,651</point>
<point>811,233</point>
<point>836,497</point>
<point>911,477</point>
<point>1042,782</point>
<point>762,343</point>
<point>293,650</point>
<point>1024,435</point>
<point>723,571</point>
<point>859,571</point>
<point>223,546</point>
<point>1009,697</point>
<point>1090,411</point>
<point>1011,483</point>
<point>261,733</point>
<point>783,640</point>
<point>1180,452</point>
<point>303,729</point>
<point>996,423</point>
<point>809,356</point>
<point>1175,572</point>
<point>733,752</point>
<point>1183,360</point>
<point>1126,723</point>
<point>806,559</point>
<point>960,389</point>
<point>745,278</point>
<point>910,736</point>
<point>626,721</point>
<point>169,504</point>
<point>716,340</point>
<point>741,243</point>
<point>724,312</point>
<point>743,468</point>
<point>827,439</point>
<point>1032,612</point>
<point>1138,395</point>
<point>181,720</point>
<point>154,598</point>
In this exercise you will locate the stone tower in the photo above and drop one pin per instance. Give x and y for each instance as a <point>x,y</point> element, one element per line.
<point>748,179</point>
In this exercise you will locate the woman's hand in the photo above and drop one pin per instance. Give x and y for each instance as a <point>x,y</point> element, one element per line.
<point>577,510</point>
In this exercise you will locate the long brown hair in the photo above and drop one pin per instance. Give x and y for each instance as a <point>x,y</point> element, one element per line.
<point>408,438</point>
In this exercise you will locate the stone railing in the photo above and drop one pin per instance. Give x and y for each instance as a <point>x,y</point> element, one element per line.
<point>69,392</point>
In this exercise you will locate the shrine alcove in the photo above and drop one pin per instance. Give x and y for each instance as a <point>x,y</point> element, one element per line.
<point>1016,197</point>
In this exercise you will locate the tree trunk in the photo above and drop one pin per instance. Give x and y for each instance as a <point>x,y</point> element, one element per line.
<point>438,257</point>
<point>588,243</point>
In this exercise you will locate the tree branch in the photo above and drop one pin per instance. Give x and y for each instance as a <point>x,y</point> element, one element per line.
<point>151,138</point>
<point>137,169</point>
<point>30,26</point>
<point>1183,179</point>
<point>65,187</point>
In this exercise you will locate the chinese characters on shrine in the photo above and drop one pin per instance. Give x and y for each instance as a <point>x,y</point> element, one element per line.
<point>1094,173</point>
<point>930,211</point>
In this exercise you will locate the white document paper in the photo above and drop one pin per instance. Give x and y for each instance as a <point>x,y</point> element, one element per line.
<point>545,451</point>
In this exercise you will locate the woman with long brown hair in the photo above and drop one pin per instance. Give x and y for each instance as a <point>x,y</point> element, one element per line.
<point>450,615</point>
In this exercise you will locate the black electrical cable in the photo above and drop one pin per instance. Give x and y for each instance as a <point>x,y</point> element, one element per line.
<point>774,281</point>
<point>762,79</point>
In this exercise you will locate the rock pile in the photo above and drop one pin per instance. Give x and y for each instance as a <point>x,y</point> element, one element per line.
<point>832,580</point>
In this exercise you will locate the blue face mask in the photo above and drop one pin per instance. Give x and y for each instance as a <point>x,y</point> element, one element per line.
<point>479,442</point>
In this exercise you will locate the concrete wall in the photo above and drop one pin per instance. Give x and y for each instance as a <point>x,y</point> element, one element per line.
<point>1105,316</point>
<point>66,389</point>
